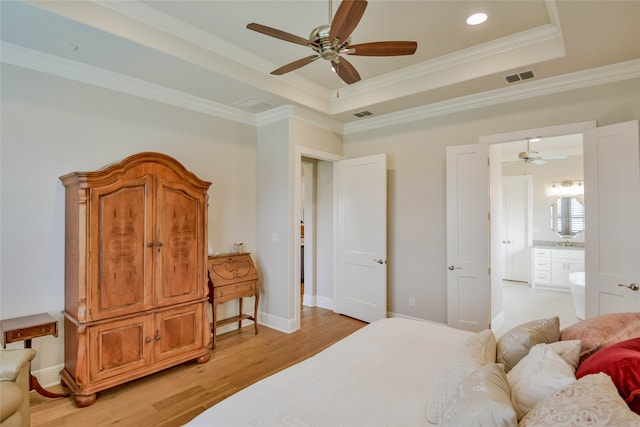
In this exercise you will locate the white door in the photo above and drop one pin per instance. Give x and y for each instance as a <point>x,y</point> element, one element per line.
<point>516,216</point>
<point>468,280</point>
<point>612,218</point>
<point>362,238</point>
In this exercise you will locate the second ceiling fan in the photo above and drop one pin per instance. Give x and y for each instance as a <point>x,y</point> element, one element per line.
<point>531,156</point>
<point>331,42</point>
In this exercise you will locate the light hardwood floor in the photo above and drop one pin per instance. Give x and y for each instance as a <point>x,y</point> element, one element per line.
<point>176,395</point>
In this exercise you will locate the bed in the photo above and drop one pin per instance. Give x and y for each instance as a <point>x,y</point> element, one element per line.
<point>400,372</point>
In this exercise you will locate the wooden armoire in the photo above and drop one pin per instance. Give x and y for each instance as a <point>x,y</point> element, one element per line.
<point>136,272</point>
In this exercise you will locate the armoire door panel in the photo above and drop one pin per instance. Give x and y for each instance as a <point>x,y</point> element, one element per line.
<point>178,330</point>
<point>179,262</point>
<point>121,346</point>
<point>121,267</point>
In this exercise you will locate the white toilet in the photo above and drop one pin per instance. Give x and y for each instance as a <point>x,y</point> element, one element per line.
<point>576,281</point>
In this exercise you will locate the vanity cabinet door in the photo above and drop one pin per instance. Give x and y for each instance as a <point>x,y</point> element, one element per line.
<point>563,263</point>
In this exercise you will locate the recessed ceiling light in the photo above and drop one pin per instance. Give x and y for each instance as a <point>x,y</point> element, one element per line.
<point>477,18</point>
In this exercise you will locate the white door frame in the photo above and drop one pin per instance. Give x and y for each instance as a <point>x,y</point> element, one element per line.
<point>294,244</point>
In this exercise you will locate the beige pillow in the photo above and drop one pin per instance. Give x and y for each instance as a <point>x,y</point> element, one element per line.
<point>537,376</point>
<point>602,331</point>
<point>515,343</point>
<point>481,399</point>
<point>591,401</point>
<point>476,351</point>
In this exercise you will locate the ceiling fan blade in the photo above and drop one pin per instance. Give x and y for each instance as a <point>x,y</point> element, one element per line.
<point>388,48</point>
<point>346,20</point>
<point>559,157</point>
<point>279,34</point>
<point>346,71</point>
<point>295,65</point>
<point>538,162</point>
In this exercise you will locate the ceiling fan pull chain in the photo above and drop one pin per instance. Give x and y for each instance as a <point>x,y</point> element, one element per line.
<point>337,82</point>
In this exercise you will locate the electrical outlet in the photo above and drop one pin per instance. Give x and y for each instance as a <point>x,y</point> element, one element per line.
<point>412,302</point>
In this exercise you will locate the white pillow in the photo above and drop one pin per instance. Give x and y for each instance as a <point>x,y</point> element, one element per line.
<point>483,398</point>
<point>476,351</point>
<point>537,376</point>
<point>591,401</point>
<point>568,350</point>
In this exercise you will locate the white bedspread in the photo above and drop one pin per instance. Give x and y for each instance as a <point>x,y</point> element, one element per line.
<point>380,375</point>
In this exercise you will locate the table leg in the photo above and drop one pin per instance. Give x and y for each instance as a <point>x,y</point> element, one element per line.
<point>214,314</point>
<point>34,384</point>
<point>255,312</point>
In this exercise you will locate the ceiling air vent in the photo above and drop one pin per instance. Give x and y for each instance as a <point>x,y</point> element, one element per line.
<point>363,114</point>
<point>525,75</point>
<point>254,105</point>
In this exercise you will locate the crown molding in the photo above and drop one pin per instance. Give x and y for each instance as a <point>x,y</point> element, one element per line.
<point>175,27</point>
<point>577,80</point>
<point>61,67</point>
<point>73,70</point>
<point>463,59</point>
<point>287,112</point>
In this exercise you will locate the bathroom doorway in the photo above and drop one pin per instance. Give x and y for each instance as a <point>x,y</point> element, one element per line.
<point>561,160</point>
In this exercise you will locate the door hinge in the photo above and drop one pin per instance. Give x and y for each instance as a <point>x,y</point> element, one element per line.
<point>489,271</point>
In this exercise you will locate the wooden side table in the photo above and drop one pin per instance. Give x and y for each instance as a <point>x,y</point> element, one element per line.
<point>25,329</point>
<point>232,276</point>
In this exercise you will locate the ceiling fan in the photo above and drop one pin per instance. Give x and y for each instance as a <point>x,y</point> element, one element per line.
<point>331,42</point>
<point>530,156</point>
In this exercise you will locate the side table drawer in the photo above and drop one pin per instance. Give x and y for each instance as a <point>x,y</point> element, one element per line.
<point>32,332</point>
<point>235,290</point>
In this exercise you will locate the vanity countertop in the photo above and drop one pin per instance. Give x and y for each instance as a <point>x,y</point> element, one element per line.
<point>558,245</point>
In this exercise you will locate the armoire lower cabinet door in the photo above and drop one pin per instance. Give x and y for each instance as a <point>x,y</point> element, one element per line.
<point>178,330</point>
<point>120,347</point>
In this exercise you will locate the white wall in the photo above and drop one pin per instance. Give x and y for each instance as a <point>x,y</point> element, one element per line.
<point>325,295</point>
<point>52,126</point>
<point>416,153</point>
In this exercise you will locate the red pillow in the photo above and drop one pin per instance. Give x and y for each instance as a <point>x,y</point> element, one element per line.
<point>621,362</point>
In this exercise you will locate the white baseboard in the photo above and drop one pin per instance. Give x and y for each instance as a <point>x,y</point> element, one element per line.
<point>48,377</point>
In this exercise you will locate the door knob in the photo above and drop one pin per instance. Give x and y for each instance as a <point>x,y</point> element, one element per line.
<point>632,286</point>
<point>453,267</point>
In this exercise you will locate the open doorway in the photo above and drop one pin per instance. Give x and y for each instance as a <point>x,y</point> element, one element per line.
<point>537,259</point>
<point>315,219</point>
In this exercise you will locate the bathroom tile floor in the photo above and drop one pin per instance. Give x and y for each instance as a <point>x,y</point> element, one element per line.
<point>523,303</point>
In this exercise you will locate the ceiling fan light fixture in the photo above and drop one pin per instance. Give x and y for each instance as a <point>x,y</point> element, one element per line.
<point>477,18</point>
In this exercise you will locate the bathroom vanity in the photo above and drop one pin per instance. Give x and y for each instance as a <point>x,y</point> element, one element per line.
<point>552,265</point>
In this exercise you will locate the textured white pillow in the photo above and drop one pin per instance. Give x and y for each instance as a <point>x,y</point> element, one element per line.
<point>483,398</point>
<point>568,350</point>
<point>591,401</point>
<point>476,351</point>
<point>537,376</point>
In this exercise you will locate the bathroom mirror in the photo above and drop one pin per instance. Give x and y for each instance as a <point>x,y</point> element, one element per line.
<point>567,217</point>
